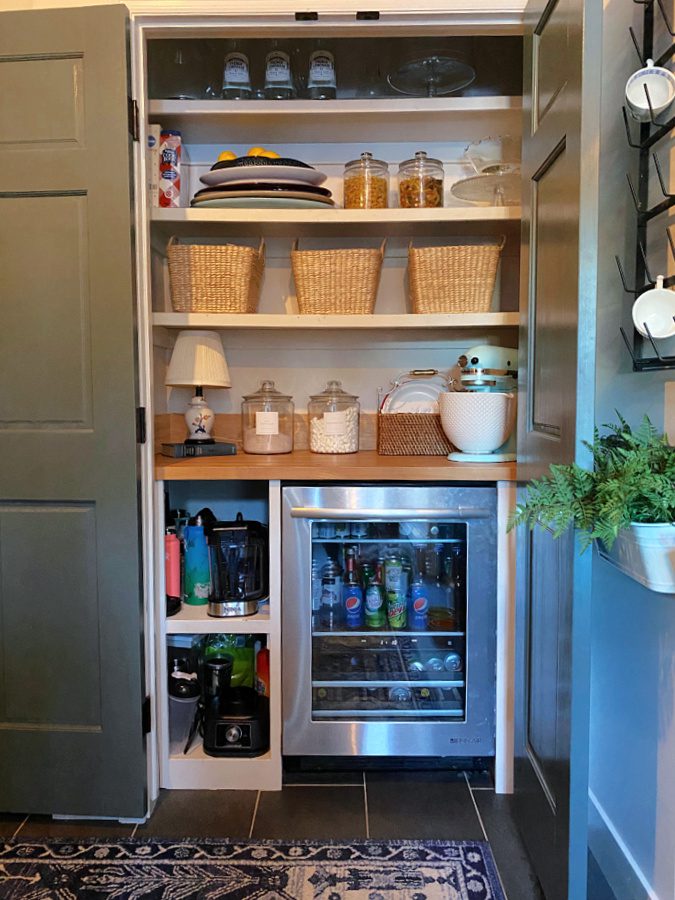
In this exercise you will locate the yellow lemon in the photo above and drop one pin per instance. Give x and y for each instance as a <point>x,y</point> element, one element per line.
<point>270,154</point>
<point>256,151</point>
<point>226,155</point>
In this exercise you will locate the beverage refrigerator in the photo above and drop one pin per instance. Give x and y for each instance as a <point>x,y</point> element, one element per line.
<point>389,617</point>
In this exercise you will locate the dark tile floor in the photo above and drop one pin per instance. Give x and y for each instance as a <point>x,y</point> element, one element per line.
<point>378,805</point>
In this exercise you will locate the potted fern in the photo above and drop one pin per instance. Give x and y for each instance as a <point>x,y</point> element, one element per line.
<point>626,503</point>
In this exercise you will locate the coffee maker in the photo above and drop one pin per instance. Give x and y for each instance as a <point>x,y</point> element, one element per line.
<point>238,564</point>
<point>235,720</point>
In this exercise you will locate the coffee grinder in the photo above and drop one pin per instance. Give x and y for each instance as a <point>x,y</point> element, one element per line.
<point>236,720</point>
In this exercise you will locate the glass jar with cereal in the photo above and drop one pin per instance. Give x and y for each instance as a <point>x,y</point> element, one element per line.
<point>366,183</point>
<point>420,182</point>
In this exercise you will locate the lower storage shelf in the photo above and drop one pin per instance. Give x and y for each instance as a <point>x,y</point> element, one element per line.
<point>197,770</point>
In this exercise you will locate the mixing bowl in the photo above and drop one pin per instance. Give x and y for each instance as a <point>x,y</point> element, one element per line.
<point>477,422</point>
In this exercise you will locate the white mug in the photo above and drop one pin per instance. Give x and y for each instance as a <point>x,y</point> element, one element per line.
<point>660,83</point>
<point>656,308</point>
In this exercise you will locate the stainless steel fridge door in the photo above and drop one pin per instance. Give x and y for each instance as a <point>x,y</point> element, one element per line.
<point>383,727</point>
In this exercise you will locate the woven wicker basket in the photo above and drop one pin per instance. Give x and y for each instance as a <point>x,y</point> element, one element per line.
<point>336,282</point>
<point>453,279</point>
<point>215,278</point>
<point>411,434</point>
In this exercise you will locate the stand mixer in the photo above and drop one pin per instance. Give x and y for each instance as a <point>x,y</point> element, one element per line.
<point>479,412</point>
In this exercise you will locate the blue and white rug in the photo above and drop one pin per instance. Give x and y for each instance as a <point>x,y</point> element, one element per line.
<point>242,870</point>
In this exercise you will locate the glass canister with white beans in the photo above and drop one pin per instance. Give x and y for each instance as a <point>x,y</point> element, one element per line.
<point>333,420</point>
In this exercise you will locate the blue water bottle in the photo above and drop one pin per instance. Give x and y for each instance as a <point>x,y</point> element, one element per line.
<point>197,577</point>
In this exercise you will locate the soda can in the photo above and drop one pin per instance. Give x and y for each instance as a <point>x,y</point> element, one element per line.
<point>393,574</point>
<point>400,694</point>
<point>435,664</point>
<point>376,616</point>
<point>169,168</point>
<point>396,609</point>
<point>352,598</point>
<point>453,662</point>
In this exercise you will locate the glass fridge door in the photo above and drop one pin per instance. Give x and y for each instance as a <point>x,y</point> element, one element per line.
<point>388,620</point>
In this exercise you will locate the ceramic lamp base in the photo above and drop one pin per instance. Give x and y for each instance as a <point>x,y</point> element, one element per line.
<point>199,419</point>
<point>482,457</point>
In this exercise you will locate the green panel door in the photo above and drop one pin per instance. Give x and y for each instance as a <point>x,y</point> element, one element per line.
<point>71,673</point>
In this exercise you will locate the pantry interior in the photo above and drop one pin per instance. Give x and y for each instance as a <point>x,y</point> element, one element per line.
<point>301,353</point>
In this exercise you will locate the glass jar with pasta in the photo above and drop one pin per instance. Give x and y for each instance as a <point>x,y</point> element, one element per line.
<point>366,183</point>
<point>420,182</point>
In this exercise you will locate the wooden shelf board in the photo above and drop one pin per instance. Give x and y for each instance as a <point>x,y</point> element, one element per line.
<point>197,770</point>
<point>465,220</point>
<point>403,321</point>
<point>196,620</point>
<point>366,465</point>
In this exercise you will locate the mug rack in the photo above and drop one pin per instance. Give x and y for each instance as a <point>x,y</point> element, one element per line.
<point>650,133</point>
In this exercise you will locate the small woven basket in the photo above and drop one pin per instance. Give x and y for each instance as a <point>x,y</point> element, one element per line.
<point>336,282</point>
<point>215,278</point>
<point>411,434</point>
<point>453,279</point>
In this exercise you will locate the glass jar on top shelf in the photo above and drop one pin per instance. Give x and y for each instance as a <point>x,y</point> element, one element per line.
<point>420,182</point>
<point>267,420</point>
<point>333,420</point>
<point>366,184</point>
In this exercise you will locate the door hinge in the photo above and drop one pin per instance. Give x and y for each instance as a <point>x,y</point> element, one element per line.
<point>367,15</point>
<point>141,430</point>
<point>306,17</point>
<point>146,716</point>
<point>133,118</point>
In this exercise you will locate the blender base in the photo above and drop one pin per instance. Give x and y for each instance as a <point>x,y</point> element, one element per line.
<point>457,456</point>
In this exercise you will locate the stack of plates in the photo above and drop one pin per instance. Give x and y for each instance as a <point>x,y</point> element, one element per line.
<point>257,182</point>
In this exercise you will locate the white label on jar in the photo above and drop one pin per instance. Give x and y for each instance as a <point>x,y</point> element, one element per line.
<point>335,423</point>
<point>236,69</point>
<point>267,423</point>
<point>278,68</point>
<point>321,68</point>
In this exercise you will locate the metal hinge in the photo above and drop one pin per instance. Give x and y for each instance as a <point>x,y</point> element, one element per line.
<point>141,430</point>
<point>306,17</point>
<point>133,118</point>
<point>146,716</point>
<point>367,15</point>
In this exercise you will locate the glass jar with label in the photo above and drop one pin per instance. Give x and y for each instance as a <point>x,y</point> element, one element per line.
<point>267,421</point>
<point>321,82</point>
<point>279,84</point>
<point>366,183</point>
<point>420,182</point>
<point>236,76</point>
<point>333,420</point>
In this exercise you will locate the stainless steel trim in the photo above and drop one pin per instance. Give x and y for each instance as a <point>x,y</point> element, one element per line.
<point>315,512</point>
<point>356,714</point>
<point>404,682</point>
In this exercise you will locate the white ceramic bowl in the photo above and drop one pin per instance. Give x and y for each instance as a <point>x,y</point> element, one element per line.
<point>477,422</point>
<point>656,308</point>
<point>661,85</point>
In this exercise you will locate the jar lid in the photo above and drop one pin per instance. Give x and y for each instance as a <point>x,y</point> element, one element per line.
<point>333,391</point>
<point>267,391</point>
<point>366,161</point>
<point>420,160</point>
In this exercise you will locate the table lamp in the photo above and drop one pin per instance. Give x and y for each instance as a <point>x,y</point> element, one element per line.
<point>198,361</point>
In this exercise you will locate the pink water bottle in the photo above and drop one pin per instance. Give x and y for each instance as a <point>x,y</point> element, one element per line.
<point>172,569</point>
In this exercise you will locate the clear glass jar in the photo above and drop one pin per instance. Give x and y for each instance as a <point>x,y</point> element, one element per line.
<point>279,82</point>
<point>236,75</point>
<point>267,421</point>
<point>333,420</point>
<point>420,182</point>
<point>321,82</point>
<point>366,183</point>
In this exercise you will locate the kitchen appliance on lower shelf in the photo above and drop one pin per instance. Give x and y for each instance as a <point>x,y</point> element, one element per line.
<point>235,719</point>
<point>238,563</point>
<point>389,595</point>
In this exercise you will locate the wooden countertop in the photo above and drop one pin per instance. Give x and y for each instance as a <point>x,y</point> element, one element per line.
<point>366,465</point>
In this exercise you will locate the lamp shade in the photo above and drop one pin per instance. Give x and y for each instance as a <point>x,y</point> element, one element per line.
<point>198,360</point>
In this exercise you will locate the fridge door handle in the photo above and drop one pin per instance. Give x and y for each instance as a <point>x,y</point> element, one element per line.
<point>460,512</point>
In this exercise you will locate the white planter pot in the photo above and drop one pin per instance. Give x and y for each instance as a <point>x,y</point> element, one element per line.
<point>647,554</point>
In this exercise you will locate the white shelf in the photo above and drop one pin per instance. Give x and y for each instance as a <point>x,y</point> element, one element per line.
<point>195,620</point>
<point>465,220</point>
<point>198,771</point>
<point>357,323</point>
<point>229,122</point>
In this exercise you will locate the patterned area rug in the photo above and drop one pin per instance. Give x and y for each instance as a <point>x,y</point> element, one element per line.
<point>260,870</point>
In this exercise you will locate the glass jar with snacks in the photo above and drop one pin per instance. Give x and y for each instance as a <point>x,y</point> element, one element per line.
<point>333,420</point>
<point>366,183</point>
<point>267,420</point>
<point>420,182</point>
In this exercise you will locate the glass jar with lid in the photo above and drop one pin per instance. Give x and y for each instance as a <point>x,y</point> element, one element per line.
<point>420,182</point>
<point>366,183</point>
<point>267,420</point>
<point>333,420</point>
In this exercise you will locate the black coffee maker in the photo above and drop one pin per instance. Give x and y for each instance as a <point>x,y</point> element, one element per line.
<point>235,720</point>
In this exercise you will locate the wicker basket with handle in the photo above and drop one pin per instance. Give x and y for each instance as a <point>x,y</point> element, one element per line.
<point>456,278</point>
<point>215,278</point>
<point>337,282</point>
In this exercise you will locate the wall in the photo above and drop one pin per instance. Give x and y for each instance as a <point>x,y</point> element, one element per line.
<point>632,752</point>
